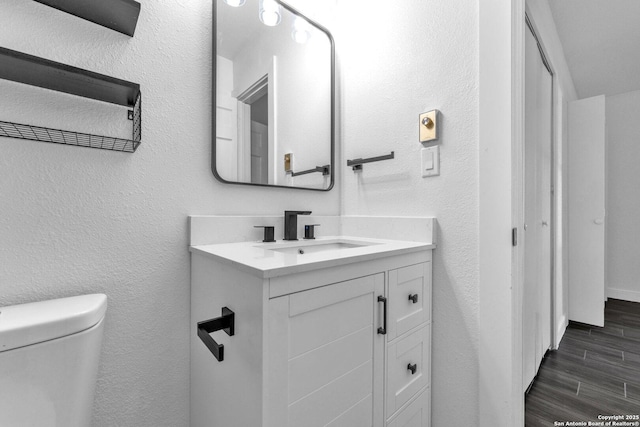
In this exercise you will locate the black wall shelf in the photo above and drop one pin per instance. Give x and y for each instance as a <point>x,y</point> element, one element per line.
<point>118,15</point>
<point>35,71</point>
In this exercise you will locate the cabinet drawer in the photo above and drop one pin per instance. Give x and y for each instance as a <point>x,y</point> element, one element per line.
<point>417,414</point>
<point>408,367</point>
<point>409,298</point>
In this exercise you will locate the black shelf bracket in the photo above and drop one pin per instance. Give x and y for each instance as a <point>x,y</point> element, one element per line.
<point>225,322</point>
<point>325,170</point>
<point>35,71</point>
<point>117,15</point>
<point>357,163</point>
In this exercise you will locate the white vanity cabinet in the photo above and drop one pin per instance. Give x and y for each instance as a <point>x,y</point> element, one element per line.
<point>313,347</point>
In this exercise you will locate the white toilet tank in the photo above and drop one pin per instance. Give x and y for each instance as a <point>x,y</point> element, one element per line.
<point>49,353</point>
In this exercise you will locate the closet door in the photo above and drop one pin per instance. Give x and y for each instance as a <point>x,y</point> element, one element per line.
<point>537,235</point>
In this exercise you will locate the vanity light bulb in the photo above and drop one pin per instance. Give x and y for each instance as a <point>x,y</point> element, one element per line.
<point>270,12</point>
<point>300,36</point>
<point>270,19</point>
<point>235,3</point>
<point>300,31</point>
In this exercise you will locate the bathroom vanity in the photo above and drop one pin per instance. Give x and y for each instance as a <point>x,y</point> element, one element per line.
<point>328,332</point>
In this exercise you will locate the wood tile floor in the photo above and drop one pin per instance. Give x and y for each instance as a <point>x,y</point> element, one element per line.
<point>596,371</point>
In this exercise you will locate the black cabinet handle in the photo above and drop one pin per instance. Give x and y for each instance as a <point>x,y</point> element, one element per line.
<point>413,298</point>
<point>383,329</point>
<point>413,368</point>
<point>225,322</point>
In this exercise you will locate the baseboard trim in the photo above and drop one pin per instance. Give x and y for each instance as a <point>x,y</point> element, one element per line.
<point>561,327</point>
<point>623,294</point>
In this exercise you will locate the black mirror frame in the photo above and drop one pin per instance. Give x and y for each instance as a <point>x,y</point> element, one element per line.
<point>333,102</point>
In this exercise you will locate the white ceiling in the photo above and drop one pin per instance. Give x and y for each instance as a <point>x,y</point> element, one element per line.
<point>601,41</point>
<point>236,27</point>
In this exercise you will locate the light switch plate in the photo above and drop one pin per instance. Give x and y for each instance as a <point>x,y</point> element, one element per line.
<point>429,126</point>
<point>430,161</point>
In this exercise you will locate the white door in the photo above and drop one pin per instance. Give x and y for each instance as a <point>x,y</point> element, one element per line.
<point>226,122</point>
<point>259,153</point>
<point>587,210</point>
<point>537,236</point>
<point>326,356</point>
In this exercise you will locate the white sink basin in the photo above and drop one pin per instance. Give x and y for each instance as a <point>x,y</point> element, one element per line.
<point>320,247</point>
<point>315,246</point>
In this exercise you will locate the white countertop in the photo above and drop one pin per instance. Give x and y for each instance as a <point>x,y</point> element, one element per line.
<point>256,258</point>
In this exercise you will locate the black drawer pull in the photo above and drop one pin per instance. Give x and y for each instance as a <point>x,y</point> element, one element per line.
<point>413,368</point>
<point>225,322</point>
<point>383,329</point>
<point>413,298</point>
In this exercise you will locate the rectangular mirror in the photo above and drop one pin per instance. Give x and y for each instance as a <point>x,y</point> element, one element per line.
<point>273,90</point>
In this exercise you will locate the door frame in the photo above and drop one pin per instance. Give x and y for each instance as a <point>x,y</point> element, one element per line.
<point>501,132</point>
<point>501,135</point>
<point>264,85</point>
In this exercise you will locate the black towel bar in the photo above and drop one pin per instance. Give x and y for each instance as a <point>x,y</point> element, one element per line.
<point>325,170</point>
<point>357,163</point>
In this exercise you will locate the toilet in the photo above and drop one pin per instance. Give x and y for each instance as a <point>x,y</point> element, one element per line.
<point>49,353</point>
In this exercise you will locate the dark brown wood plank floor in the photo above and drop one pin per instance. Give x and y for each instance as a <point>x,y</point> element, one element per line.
<point>596,371</point>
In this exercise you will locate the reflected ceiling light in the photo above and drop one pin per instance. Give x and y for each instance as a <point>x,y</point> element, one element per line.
<point>235,3</point>
<point>301,30</point>
<point>270,12</point>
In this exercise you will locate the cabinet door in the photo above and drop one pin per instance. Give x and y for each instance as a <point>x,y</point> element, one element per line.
<point>325,356</point>
<point>409,298</point>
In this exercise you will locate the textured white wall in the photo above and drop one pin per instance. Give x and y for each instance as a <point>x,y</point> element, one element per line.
<point>76,220</point>
<point>398,60</point>
<point>623,196</point>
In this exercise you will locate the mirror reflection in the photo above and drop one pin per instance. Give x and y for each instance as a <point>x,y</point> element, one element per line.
<point>274,96</point>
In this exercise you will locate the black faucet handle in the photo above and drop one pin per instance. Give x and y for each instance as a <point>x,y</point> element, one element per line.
<point>309,231</point>
<point>269,232</point>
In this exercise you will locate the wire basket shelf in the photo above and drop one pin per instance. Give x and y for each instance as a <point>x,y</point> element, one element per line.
<point>58,136</point>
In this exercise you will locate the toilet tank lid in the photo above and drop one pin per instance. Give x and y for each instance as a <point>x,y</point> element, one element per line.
<point>35,322</point>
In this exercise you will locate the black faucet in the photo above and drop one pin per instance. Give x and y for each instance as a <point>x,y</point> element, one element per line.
<point>291,224</point>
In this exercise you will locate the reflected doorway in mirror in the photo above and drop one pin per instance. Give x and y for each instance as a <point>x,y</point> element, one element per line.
<point>254,138</point>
